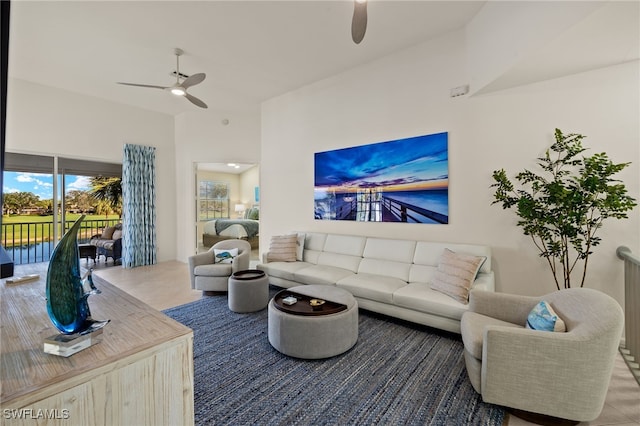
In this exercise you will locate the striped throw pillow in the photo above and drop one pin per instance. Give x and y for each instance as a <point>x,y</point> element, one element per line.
<point>456,273</point>
<point>283,248</point>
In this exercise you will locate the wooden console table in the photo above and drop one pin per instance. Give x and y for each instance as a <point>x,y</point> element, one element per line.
<point>141,373</point>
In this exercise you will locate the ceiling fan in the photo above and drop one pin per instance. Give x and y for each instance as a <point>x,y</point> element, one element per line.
<point>179,89</point>
<point>359,21</point>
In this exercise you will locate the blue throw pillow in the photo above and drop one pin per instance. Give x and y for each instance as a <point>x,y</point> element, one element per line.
<point>543,318</point>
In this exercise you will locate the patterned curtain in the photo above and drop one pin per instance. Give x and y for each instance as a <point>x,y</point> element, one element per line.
<point>138,206</point>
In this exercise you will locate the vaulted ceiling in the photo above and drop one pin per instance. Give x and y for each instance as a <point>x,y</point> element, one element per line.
<point>250,50</point>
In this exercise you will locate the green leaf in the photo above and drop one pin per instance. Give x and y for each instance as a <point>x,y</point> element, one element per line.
<point>562,207</point>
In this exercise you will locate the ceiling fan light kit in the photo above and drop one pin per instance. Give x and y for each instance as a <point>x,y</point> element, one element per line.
<point>179,88</point>
<point>359,21</point>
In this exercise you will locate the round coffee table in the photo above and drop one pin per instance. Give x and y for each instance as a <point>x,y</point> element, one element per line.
<point>301,331</point>
<point>248,291</point>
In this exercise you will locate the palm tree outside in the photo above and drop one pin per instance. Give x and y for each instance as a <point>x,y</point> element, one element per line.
<point>108,192</point>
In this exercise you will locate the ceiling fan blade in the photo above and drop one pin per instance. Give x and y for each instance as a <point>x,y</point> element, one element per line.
<point>143,85</point>
<point>193,80</point>
<point>359,21</point>
<point>195,101</point>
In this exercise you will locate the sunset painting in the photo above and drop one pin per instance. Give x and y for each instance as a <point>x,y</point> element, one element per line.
<point>405,180</point>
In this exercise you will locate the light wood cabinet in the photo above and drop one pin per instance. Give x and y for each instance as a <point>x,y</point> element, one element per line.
<point>141,373</point>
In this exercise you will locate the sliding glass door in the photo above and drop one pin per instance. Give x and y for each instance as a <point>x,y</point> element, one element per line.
<point>43,196</point>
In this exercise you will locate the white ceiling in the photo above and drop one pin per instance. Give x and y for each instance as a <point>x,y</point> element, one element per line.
<point>254,50</point>
<point>230,168</point>
<point>250,50</point>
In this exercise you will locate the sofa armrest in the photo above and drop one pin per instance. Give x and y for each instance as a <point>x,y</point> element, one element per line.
<point>503,306</point>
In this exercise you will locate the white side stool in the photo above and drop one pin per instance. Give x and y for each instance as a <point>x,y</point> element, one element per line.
<point>248,291</point>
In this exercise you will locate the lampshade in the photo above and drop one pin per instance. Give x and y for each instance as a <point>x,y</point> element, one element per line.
<point>240,208</point>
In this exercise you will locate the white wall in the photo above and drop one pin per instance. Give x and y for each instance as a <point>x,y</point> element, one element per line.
<point>201,136</point>
<point>407,94</point>
<point>45,120</point>
<point>249,180</point>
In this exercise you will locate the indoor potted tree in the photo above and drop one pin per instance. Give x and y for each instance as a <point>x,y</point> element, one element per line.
<point>562,208</point>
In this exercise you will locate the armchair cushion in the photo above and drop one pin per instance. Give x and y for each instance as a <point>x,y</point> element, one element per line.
<point>107,233</point>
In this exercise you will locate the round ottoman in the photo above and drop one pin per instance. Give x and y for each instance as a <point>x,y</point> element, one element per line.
<point>314,337</point>
<point>248,291</point>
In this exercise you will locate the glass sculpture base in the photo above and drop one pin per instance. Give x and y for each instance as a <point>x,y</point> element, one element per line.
<point>68,344</point>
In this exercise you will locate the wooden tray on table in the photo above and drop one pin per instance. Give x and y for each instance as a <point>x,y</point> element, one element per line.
<point>303,306</point>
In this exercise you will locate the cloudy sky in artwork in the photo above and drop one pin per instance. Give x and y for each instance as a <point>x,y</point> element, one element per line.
<point>404,164</point>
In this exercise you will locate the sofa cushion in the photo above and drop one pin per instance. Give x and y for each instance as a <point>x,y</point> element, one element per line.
<point>390,250</point>
<point>105,244</point>
<point>313,245</point>
<point>314,241</point>
<point>420,297</point>
<point>385,268</point>
<point>350,245</point>
<point>372,287</point>
<point>343,261</point>
<point>456,273</point>
<point>283,270</point>
<point>117,234</point>
<point>422,273</point>
<point>318,274</point>
<point>300,246</point>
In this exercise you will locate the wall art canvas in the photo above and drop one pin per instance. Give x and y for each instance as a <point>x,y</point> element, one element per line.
<point>404,180</point>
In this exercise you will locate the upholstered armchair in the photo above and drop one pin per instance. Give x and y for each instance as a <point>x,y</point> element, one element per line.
<point>211,273</point>
<point>560,374</point>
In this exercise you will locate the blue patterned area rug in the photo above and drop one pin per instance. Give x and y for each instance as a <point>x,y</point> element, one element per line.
<point>398,373</point>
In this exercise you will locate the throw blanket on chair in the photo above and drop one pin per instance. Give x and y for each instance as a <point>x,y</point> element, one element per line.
<point>251,226</point>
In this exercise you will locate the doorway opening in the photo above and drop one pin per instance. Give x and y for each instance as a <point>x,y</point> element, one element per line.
<point>227,204</point>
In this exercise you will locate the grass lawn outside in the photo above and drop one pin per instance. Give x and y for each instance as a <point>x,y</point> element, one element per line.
<point>32,229</point>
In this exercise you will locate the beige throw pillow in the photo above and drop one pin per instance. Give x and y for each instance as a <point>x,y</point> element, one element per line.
<point>107,233</point>
<point>456,273</point>
<point>283,248</point>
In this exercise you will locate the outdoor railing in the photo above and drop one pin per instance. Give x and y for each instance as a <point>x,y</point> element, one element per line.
<point>405,211</point>
<point>631,349</point>
<point>29,242</point>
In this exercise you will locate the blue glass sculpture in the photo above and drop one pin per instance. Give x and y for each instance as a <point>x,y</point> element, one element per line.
<point>67,292</point>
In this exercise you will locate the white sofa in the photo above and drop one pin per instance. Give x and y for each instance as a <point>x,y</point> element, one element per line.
<point>388,276</point>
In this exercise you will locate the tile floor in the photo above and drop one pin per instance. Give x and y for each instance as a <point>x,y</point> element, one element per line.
<point>167,284</point>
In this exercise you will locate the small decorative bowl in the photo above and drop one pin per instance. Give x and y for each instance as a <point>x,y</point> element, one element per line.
<point>316,304</point>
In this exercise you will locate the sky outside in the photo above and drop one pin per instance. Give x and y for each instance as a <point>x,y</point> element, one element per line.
<point>40,184</point>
